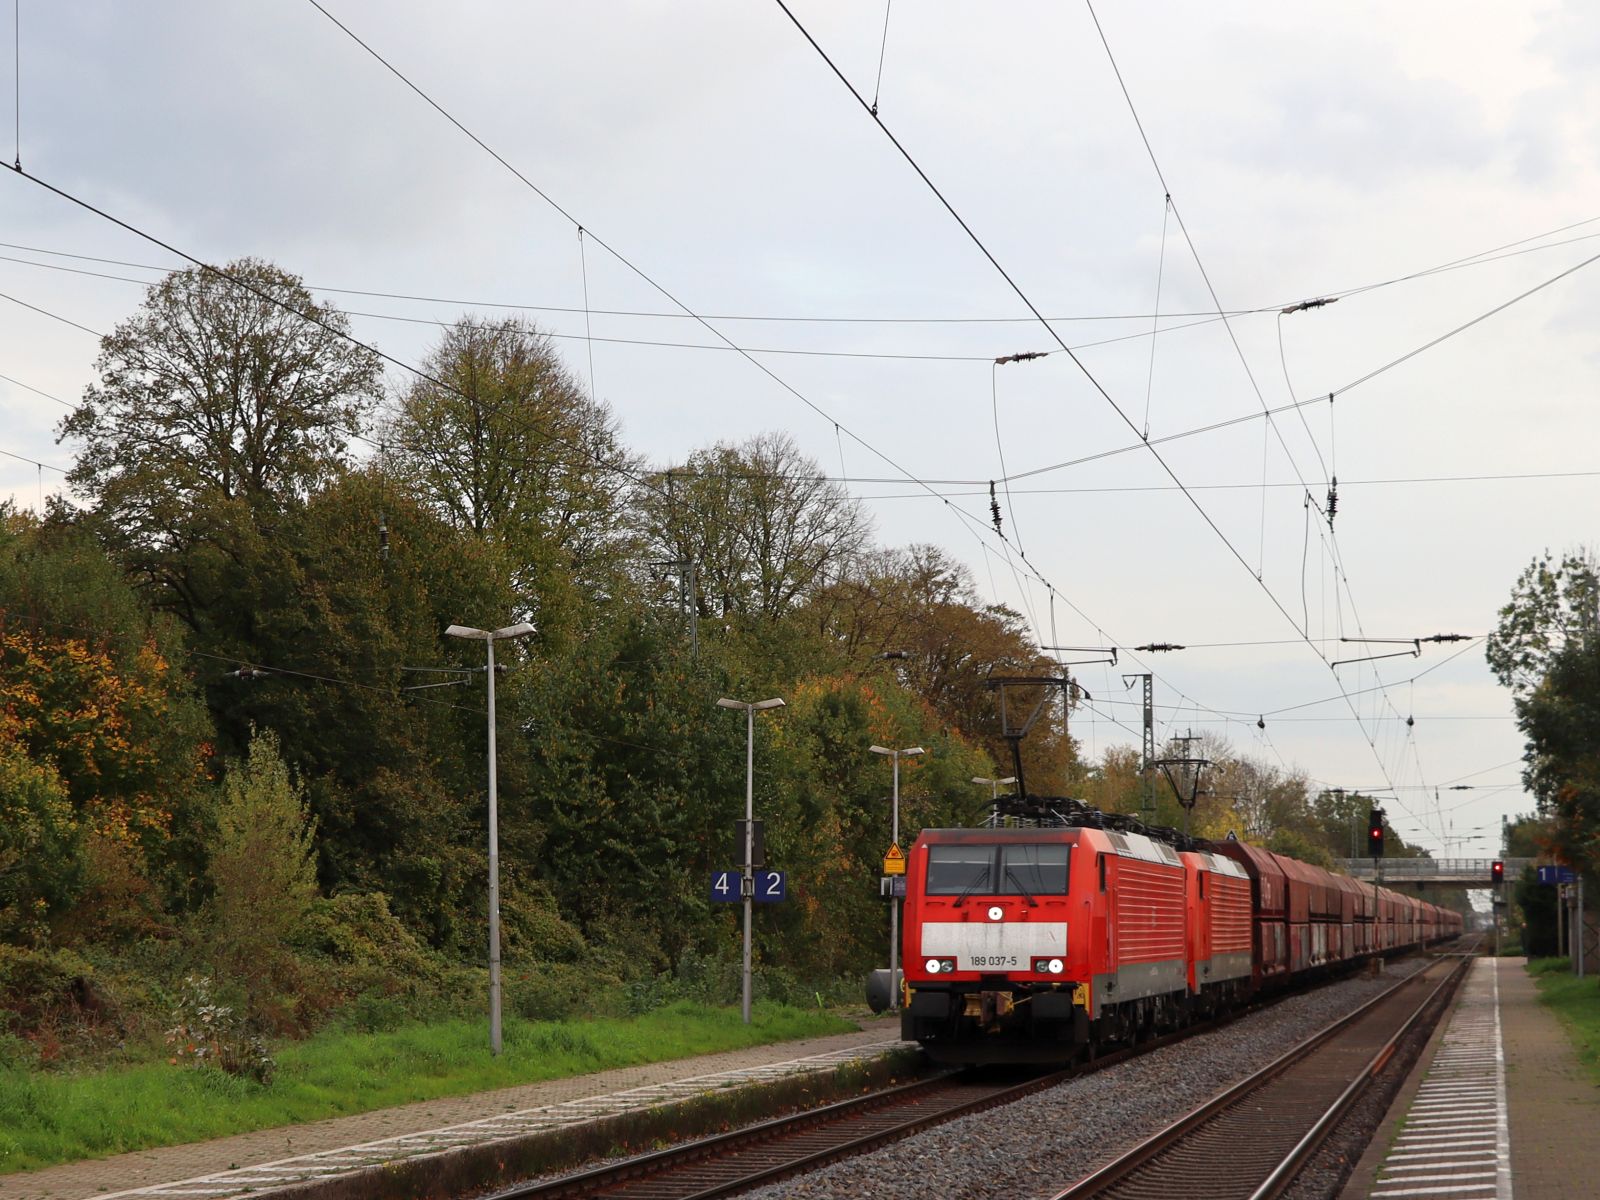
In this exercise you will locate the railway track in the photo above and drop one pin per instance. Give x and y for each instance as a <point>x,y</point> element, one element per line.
<point>777,1149</point>
<point>787,1146</point>
<point>1251,1140</point>
<point>784,1147</point>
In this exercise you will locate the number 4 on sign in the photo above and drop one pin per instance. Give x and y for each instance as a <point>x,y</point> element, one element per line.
<point>725,887</point>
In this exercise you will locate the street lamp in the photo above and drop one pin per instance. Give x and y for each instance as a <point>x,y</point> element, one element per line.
<point>489,637</point>
<point>894,902</point>
<point>994,784</point>
<point>748,884</point>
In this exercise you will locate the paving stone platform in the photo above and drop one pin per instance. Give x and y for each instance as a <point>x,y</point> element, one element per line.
<point>1497,1108</point>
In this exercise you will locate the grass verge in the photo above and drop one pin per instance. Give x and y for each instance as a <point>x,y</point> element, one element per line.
<point>56,1118</point>
<point>1576,1004</point>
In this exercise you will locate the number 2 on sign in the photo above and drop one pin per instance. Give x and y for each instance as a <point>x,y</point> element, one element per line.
<point>771,887</point>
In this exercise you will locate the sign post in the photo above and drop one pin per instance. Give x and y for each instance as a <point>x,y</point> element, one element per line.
<point>894,852</point>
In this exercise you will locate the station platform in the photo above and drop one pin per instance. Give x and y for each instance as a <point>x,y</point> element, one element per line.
<point>293,1156</point>
<point>1498,1106</point>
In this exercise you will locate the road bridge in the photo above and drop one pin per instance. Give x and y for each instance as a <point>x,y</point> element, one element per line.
<point>1446,872</point>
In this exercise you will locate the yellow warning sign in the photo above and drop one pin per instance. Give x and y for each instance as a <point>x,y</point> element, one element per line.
<point>894,863</point>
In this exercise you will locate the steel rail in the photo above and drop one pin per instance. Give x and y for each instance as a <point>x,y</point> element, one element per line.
<point>814,1147</point>
<point>609,1178</point>
<point>657,1165</point>
<point>1121,1168</point>
<point>1284,1174</point>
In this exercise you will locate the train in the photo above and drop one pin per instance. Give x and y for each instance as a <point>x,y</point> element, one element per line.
<point>1048,939</point>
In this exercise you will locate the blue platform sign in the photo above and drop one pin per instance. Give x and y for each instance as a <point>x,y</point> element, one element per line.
<point>1550,876</point>
<point>770,887</point>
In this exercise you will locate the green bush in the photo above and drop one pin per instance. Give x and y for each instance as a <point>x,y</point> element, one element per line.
<point>358,934</point>
<point>562,991</point>
<point>207,1034</point>
<point>17,1053</point>
<point>42,987</point>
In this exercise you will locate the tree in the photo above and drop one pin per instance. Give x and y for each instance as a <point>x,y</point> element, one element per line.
<point>501,440</point>
<point>762,525</point>
<point>333,616</point>
<point>41,868</point>
<point>1553,606</point>
<point>921,605</point>
<point>263,865</point>
<point>214,395</point>
<point>1546,648</point>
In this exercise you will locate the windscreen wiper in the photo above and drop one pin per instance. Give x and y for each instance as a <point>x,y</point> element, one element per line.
<point>982,877</point>
<point>1021,887</point>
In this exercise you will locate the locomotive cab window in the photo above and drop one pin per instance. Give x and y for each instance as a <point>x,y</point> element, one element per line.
<point>1014,869</point>
<point>1037,870</point>
<point>960,868</point>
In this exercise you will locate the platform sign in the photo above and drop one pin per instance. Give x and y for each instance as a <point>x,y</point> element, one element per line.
<point>1550,876</point>
<point>768,887</point>
<point>772,887</point>
<point>892,887</point>
<point>894,862</point>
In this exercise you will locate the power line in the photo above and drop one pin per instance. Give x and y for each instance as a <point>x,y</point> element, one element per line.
<point>1219,487</point>
<point>1331,541</point>
<point>1028,303</point>
<point>1473,260</point>
<point>642,275</point>
<point>29,387</point>
<point>34,462</point>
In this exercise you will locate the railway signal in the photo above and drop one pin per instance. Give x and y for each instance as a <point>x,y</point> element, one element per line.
<point>1497,872</point>
<point>1375,833</point>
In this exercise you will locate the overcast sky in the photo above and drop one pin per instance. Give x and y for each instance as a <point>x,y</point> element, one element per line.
<point>1309,150</point>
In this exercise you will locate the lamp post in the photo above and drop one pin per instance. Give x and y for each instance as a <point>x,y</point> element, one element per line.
<point>489,637</point>
<point>894,901</point>
<point>748,880</point>
<point>994,784</point>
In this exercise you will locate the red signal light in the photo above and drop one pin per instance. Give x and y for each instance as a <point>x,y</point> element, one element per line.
<point>1497,871</point>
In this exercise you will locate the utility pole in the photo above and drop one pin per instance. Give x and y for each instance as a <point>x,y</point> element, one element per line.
<point>1147,802</point>
<point>894,901</point>
<point>688,596</point>
<point>1185,783</point>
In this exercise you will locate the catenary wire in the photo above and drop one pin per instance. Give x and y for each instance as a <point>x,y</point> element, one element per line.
<point>1472,260</point>
<point>1088,375</point>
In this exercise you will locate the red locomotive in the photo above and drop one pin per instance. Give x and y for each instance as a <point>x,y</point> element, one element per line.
<point>1044,942</point>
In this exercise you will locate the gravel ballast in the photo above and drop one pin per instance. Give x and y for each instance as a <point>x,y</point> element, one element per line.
<point>1041,1144</point>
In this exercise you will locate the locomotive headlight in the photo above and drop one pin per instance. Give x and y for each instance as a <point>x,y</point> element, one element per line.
<point>1055,966</point>
<point>933,966</point>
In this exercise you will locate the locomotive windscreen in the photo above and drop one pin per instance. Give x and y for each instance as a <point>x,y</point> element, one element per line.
<point>1016,869</point>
